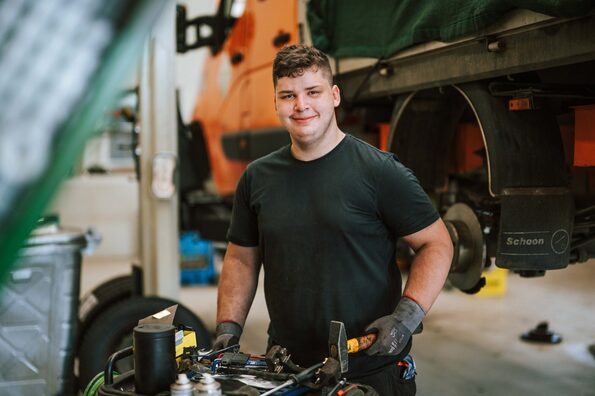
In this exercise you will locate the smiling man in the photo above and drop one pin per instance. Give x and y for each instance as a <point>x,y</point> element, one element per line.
<point>305,104</point>
<point>322,217</point>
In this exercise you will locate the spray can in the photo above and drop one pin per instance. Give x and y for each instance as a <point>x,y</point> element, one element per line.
<point>208,386</point>
<point>182,386</point>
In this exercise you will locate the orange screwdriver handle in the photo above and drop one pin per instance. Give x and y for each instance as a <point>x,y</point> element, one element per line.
<point>360,343</point>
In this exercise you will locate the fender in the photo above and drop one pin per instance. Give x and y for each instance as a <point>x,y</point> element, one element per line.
<point>523,148</point>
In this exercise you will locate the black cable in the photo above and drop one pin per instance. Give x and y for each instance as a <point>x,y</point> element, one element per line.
<point>267,375</point>
<point>293,367</point>
<point>108,375</point>
<point>351,102</point>
<point>584,211</point>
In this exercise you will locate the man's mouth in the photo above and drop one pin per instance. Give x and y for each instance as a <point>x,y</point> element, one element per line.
<point>302,120</point>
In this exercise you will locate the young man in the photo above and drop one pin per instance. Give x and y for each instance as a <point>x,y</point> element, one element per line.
<point>322,216</point>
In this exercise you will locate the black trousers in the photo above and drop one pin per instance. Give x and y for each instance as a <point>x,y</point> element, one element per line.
<point>388,382</point>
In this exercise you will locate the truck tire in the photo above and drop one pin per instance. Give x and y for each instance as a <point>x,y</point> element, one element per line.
<point>112,330</point>
<point>103,296</point>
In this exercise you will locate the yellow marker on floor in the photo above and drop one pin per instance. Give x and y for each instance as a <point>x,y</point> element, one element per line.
<point>496,282</point>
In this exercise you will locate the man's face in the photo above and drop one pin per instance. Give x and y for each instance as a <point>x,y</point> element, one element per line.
<point>306,106</point>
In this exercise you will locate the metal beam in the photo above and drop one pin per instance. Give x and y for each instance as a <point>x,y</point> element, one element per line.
<point>158,136</point>
<point>557,43</point>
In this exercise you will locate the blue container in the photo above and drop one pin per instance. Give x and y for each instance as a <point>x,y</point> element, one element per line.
<point>197,264</point>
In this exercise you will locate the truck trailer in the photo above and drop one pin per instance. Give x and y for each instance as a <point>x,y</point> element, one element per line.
<point>491,104</point>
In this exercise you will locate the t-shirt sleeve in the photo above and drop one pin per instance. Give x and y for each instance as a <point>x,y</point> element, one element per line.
<point>404,205</point>
<point>243,228</point>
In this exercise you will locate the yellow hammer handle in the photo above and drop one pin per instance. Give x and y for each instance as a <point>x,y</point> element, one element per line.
<point>360,343</point>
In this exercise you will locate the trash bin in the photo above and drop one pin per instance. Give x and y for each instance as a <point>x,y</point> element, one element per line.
<point>38,313</point>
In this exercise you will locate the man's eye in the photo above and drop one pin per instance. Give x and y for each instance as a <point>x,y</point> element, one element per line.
<point>314,93</point>
<point>286,97</point>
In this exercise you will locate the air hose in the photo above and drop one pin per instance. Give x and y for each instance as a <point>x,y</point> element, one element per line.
<point>92,388</point>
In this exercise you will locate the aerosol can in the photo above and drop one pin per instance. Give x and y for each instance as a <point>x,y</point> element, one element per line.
<point>182,386</point>
<point>208,387</point>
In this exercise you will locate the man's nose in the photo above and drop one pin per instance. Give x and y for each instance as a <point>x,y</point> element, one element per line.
<point>301,103</point>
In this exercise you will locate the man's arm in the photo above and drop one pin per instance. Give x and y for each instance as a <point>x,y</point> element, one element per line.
<point>433,256</point>
<point>237,284</point>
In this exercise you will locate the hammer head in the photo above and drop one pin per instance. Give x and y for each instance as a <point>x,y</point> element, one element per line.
<point>337,344</point>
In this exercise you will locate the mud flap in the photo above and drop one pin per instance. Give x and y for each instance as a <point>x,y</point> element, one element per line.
<point>527,173</point>
<point>535,229</point>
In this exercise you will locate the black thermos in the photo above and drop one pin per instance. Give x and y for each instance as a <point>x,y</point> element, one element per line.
<point>154,358</point>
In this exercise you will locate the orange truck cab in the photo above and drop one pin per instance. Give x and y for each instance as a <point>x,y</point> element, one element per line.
<point>236,107</point>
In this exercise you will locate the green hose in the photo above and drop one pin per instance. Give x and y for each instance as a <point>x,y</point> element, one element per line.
<point>94,385</point>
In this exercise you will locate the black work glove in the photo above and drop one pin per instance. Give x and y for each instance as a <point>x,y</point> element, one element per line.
<point>394,330</point>
<point>226,333</point>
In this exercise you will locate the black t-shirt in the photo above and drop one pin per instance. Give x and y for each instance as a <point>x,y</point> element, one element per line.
<point>327,232</point>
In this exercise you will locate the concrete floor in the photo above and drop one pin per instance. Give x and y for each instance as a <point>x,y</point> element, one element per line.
<point>470,345</point>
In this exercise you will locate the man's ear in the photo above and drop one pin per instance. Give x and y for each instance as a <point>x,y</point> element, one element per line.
<point>336,95</point>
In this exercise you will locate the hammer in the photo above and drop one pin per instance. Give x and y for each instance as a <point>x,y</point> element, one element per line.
<point>340,346</point>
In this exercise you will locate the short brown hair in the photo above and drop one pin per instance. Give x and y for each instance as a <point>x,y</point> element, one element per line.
<point>294,60</point>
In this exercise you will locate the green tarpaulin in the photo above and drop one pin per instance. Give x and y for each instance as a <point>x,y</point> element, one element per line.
<point>380,28</point>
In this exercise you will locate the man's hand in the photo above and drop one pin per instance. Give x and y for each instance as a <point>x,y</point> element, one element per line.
<point>395,330</point>
<point>227,333</point>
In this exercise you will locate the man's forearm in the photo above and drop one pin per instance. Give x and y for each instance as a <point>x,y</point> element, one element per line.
<point>237,286</point>
<point>427,276</point>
